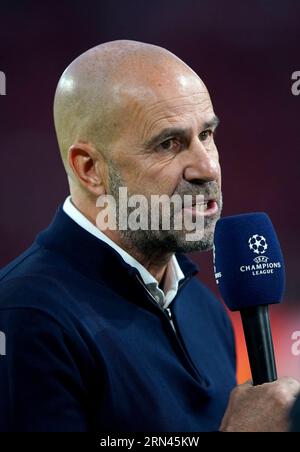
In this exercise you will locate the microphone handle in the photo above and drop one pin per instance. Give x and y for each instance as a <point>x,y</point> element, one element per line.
<point>258,336</point>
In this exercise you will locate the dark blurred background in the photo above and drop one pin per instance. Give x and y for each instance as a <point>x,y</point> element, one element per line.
<point>245,52</point>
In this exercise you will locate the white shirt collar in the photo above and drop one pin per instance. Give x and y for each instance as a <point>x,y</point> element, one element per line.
<point>173,275</point>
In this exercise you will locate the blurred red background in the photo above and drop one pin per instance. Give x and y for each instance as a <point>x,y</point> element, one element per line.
<point>245,53</point>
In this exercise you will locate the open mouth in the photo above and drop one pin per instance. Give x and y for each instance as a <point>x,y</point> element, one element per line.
<point>206,208</point>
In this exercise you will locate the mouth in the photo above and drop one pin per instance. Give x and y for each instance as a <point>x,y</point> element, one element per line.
<point>207,208</point>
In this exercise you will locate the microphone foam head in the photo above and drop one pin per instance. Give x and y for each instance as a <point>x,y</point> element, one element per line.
<point>248,262</point>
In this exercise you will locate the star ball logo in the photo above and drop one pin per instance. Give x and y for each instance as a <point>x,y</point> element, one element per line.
<point>2,84</point>
<point>258,245</point>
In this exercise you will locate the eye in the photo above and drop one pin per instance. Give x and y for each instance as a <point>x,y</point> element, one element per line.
<point>205,135</point>
<point>169,145</point>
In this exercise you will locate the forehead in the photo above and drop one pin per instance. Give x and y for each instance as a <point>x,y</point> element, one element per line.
<point>185,110</point>
<point>148,113</point>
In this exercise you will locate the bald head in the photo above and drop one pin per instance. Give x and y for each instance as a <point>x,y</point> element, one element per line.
<point>93,93</point>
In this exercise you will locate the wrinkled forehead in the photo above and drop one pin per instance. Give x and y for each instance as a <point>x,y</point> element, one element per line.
<point>179,101</point>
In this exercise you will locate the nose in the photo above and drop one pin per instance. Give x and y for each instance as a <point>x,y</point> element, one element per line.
<point>202,164</point>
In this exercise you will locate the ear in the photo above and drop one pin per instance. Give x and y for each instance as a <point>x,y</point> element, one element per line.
<point>88,167</point>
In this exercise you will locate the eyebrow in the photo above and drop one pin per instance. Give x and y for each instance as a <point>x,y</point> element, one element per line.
<point>172,131</point>
<point>211,123</point>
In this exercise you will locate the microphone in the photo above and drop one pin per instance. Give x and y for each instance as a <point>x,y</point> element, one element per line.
<point>250,273</point>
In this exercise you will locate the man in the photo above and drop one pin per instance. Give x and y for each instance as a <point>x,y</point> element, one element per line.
<point>108,329</point>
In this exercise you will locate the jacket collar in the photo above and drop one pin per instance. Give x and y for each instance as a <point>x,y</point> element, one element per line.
<point>92,256</point>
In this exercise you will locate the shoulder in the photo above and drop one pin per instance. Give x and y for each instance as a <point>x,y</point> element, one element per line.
<point>36,280</point>
<point>46,282</point>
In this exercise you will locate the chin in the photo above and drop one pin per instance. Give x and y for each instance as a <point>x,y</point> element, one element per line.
<point>205,244</point>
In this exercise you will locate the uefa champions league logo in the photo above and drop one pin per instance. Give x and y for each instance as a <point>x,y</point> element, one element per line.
<point>218,275</point>
<point>258,244</point>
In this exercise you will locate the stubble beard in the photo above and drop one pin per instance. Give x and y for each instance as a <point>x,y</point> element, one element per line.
<point>149,242</point>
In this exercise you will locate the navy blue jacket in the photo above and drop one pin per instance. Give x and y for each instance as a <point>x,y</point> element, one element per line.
<point>88,349</point>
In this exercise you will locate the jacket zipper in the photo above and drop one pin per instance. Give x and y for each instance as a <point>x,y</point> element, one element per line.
<point>168,314</point>
<point>168,310</point>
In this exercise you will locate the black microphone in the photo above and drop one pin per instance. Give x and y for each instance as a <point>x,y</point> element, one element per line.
<point>250,273</point>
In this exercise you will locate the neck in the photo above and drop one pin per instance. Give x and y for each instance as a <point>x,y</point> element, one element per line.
<point>156,262</point>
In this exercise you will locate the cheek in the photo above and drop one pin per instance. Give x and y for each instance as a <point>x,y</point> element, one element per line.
<point>166,176</point>
<point>159,182</point>
<point>157,178</point>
